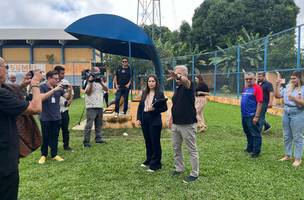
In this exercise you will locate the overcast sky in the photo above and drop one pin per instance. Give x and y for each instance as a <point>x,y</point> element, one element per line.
<point>61,13</point>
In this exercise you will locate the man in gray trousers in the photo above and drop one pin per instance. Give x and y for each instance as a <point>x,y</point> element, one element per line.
<point>94,106</point>
<point>183,122</point>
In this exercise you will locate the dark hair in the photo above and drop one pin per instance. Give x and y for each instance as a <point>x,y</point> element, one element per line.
<point>147,89</point>
<point>59,68</point>
<point>262,73</point>
<point>200,79</point>
<point>125,58</point>
<point>50,74</point>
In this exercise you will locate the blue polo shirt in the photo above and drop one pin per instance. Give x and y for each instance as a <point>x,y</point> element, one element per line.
<point>50,106</point>
<point>251,96</point>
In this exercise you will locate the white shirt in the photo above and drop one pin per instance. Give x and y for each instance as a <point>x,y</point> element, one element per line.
<point>62,100</point>
<point>95,100</point>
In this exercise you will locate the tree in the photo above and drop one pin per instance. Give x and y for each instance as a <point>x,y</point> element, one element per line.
<point>217,21</point>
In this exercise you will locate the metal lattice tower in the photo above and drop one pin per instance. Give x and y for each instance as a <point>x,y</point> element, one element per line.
<point>148,13</point>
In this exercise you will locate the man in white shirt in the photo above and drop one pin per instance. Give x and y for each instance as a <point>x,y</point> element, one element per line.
<point>94,107</point>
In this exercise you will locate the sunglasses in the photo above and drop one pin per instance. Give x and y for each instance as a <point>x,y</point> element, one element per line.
<point>124,61</point>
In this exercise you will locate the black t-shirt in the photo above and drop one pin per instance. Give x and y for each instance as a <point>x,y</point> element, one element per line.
<point>202,87</point>
<point>267,88</point>
<point>10,107</point>
<point>123,76</point>
<point>183,109</point>
<point>50,106</point>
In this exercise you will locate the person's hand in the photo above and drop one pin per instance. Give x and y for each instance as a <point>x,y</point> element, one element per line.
<point>150,108</point>
<point>255,120</point>
<point>269,105</point>
<point>138,123</point>
<point>172,74</point>
<point>58,87</point>
<point>70,88</point>
<point>291,98</point>
<point>38,77</point>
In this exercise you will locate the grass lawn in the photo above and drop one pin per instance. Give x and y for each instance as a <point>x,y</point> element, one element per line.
<point>112,171</point>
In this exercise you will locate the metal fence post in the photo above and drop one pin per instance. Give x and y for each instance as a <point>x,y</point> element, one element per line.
<point>299,48</point>
<point>192,70</point>
<point>265,52</point>
<point>238,61</point>
<point>214,76</point>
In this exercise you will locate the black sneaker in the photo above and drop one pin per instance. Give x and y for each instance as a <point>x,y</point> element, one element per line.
<point>67,148</point>
<point>267,129</point>
<point>247,151</point>
<point>190,179</point>
<point>87,145</point>
<point>100,142</point>
<point>176,173</point>
<point>255,155</point>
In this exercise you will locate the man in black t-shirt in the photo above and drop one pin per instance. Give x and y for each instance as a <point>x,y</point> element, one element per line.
<point>122,82</point>
<point>183,122</point>
<point>268,96</point>
<point>10,107</point>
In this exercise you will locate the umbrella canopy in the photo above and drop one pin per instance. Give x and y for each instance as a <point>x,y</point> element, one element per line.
<point>116,35</point>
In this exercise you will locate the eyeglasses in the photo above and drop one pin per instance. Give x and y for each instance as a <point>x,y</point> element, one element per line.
<point>6,66</point>
<point>124,61</point>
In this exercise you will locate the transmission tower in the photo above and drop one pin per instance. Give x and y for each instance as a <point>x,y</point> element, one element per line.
<point>148,13</point>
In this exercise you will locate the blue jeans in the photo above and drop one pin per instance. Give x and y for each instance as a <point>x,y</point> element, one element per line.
<point>253,134</point>
<point>263,121</point>
<point>293,129</point>
<point>122,92</point>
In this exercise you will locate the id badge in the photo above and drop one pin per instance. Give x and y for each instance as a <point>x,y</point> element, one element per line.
<point>53,100</point>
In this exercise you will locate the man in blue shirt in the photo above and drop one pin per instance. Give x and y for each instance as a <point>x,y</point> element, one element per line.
<point>251,105</point>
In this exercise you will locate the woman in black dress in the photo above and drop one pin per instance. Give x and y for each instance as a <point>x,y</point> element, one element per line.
<point>149,111</point>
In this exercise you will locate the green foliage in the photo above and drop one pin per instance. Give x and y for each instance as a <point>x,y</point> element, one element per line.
<point>112,171</point>
<point>217,21</point>
<point>50,58</point>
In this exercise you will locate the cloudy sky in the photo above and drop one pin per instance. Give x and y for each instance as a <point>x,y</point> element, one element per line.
<point>61,13</point>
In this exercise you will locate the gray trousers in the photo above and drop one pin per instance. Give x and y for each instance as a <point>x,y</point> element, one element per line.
<point>187,133</point>
<point>93,115</point>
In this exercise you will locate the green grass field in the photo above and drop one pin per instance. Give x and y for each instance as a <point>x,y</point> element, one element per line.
<point>112,171</point>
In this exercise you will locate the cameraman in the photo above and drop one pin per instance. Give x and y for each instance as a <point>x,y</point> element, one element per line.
<point>94,106</point>
<point>64,108</point>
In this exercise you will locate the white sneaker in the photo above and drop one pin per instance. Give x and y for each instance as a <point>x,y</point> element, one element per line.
<point>144,166</point>
<point>116,115</point>
<point>150,170</point>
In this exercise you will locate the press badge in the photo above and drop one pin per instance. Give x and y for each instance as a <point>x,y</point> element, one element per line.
<point>53,100</point>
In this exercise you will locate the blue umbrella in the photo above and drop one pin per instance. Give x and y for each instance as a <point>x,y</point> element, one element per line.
<point>116,35</point>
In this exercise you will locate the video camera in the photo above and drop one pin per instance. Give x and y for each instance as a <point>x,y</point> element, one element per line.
<point>85,74</point>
